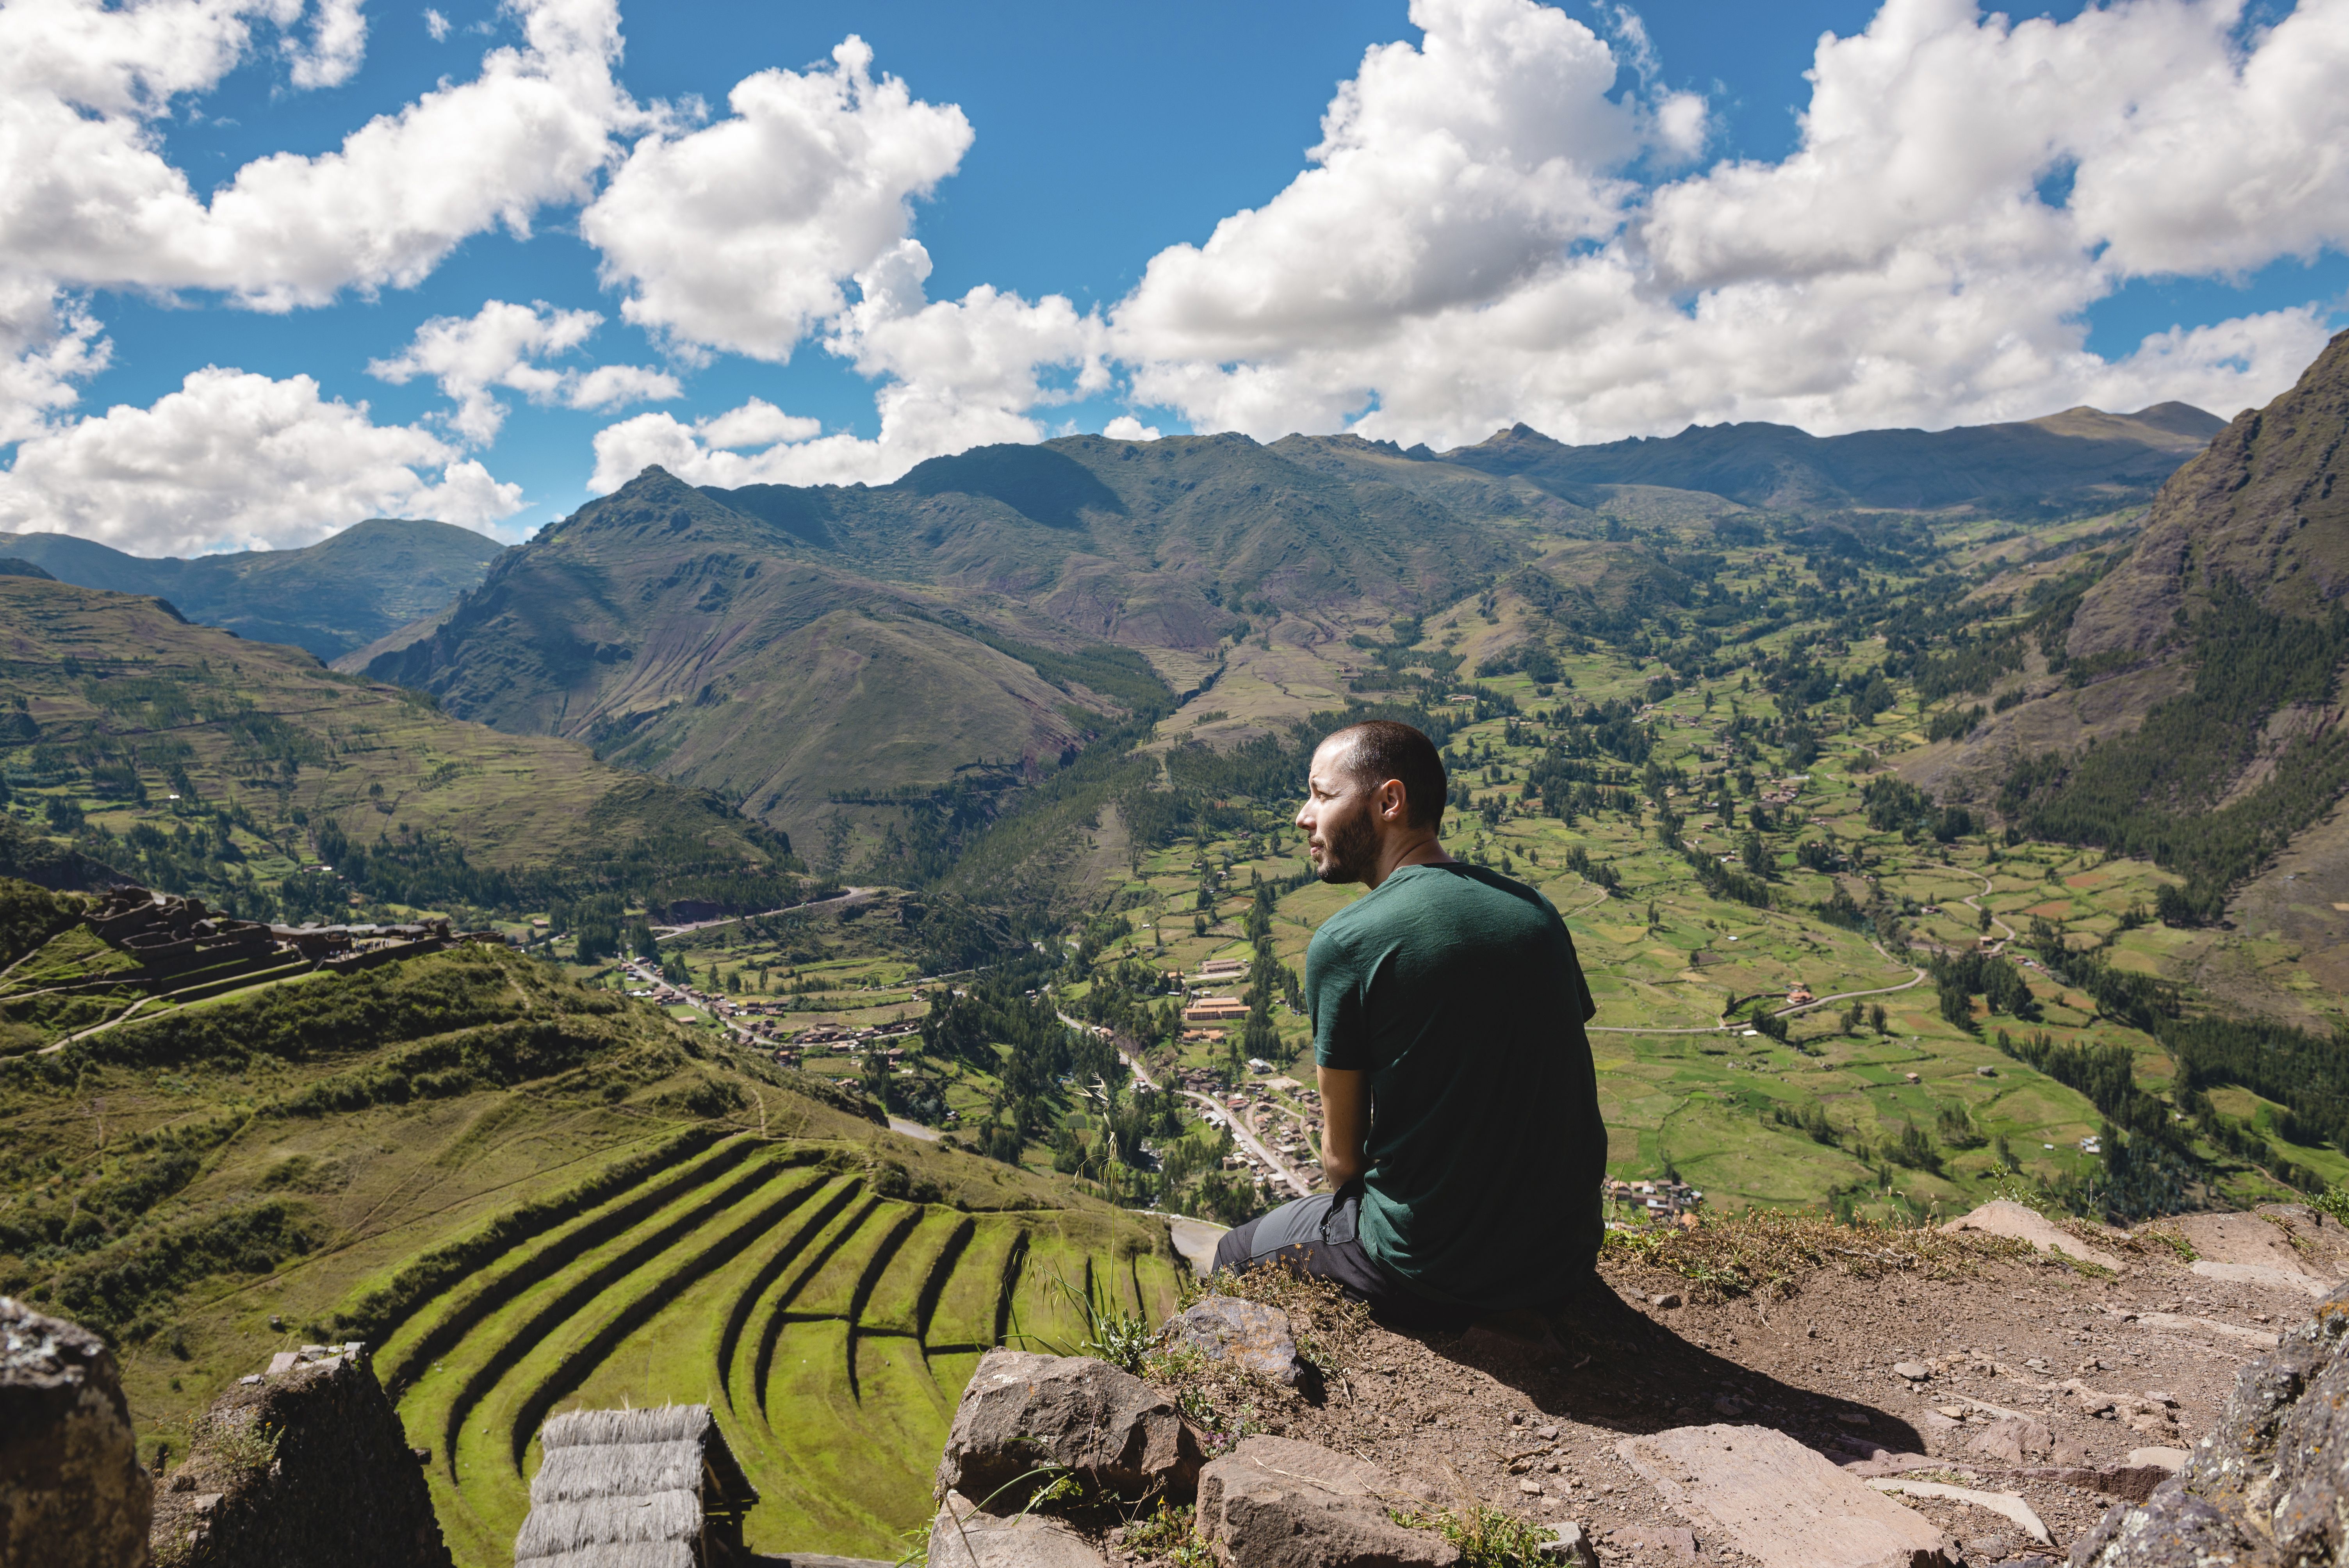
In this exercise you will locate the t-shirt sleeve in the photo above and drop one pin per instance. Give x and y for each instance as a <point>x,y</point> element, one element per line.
<point>1333,996</point>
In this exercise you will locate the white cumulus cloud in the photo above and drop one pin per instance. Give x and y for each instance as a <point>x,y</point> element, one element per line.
<point>331,53</point>
<point>234,459</point>
<point>1126,428</point>
<point>1465,253</point>
<point>92,202</point>
<point>499,347</point>
<point>738,236</point>
<point>954,373</point>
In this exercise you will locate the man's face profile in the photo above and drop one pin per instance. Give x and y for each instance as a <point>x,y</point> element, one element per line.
<point>1340,818</point>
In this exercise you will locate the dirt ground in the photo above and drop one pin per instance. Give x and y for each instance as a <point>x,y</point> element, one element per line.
<point>1531,1426</point>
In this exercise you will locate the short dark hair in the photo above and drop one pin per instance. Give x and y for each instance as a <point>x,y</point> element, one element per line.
<point>1382,750</point>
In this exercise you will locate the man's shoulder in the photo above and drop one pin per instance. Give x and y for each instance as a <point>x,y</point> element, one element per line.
<point>1485,890</point>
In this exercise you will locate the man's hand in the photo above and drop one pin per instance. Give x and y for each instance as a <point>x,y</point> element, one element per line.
<point>1345,1124</point>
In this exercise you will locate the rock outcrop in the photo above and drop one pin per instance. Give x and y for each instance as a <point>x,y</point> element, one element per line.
<point>301,1466</point>
<point>71,1492</point>
<point>1272,1502</point>
<point>1023,1412</point>
<point>2266,1488</point>
<point>964,1535</point>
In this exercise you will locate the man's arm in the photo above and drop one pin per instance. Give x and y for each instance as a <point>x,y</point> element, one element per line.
<point>1345,1124</point>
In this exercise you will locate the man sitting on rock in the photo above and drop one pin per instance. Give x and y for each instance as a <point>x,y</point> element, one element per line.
<point>1461,1127</point>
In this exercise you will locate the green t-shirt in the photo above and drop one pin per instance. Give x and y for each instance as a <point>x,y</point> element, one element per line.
<point>1458,991</point>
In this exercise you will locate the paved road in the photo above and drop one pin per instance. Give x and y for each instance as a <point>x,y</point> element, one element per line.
<point>1195,1239</point>
<point>850,895</point>
<point>1242,1134</point>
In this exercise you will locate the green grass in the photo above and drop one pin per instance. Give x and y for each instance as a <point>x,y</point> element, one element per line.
<point>550,1231</point>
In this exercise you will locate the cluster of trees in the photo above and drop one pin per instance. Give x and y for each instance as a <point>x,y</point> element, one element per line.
<point>1960,977</point>
<point>1897,806</point>
<point>2155,792</point>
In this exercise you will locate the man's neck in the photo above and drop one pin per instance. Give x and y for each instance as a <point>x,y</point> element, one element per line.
<point>1420,849</point>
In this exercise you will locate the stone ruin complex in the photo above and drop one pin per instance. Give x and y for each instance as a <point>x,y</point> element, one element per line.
<point>179,943</point>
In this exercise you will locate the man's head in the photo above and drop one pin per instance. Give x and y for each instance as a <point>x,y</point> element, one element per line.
<point>1374,795</point>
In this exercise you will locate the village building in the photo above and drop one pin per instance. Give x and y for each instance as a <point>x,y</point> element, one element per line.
<point>1215,1010</point>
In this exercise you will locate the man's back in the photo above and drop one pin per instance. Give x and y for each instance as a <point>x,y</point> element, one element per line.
<point>1458,991</point>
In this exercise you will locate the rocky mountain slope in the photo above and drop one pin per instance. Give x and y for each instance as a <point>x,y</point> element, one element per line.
<point>791,647</point>
<point>2082,457</point>
<point>2179,699</point>
<point>330,597</point>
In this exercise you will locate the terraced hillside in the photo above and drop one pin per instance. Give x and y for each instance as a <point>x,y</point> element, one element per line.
<point>529,1194</point>
<point>827,1315</point>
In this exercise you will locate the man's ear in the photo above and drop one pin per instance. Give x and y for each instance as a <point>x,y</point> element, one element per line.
<point>1394,803</point>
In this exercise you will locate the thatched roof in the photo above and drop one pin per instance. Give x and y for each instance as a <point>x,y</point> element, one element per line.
<point>628,1489</point>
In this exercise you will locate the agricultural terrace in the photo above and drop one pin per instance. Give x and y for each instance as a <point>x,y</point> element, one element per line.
<point>529,1194</point>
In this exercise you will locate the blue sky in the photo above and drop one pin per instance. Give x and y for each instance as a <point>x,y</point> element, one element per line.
<point>1612,239</point>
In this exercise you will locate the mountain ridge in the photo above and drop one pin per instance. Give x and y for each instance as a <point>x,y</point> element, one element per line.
<point>344,592</point>
<point>2075,456</point>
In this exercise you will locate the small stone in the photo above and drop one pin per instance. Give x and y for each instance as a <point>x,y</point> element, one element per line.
<point>1915,1371</point>
<point>1955,1412</point>
<point>1666,1299</point>
<point>1546,1434</point>
<point>1530,1488</point>
<point>250,1378</point>
<point>1569,1543</point>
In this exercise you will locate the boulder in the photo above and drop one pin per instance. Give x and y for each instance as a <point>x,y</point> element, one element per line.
<point>304,1465</point>
<point>2007,1505</point>
<point>2015,1441</point>
<point>966,1536</point>
<point>1275,1502</point>
<point>2266,1487</point>
<point>2285,1237</point>
<point>1248,1334</point>
<point>71,1492</point>
<point>1023,1411</point>
<point>2268,1276</point>
<point>1782,1504</point>
<point>2003,1217</point>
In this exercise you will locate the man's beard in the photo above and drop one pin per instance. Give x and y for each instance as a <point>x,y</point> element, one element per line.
<point>1347,848</point>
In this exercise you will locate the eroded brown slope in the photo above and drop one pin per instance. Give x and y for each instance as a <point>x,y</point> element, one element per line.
<point>2261,505</point>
